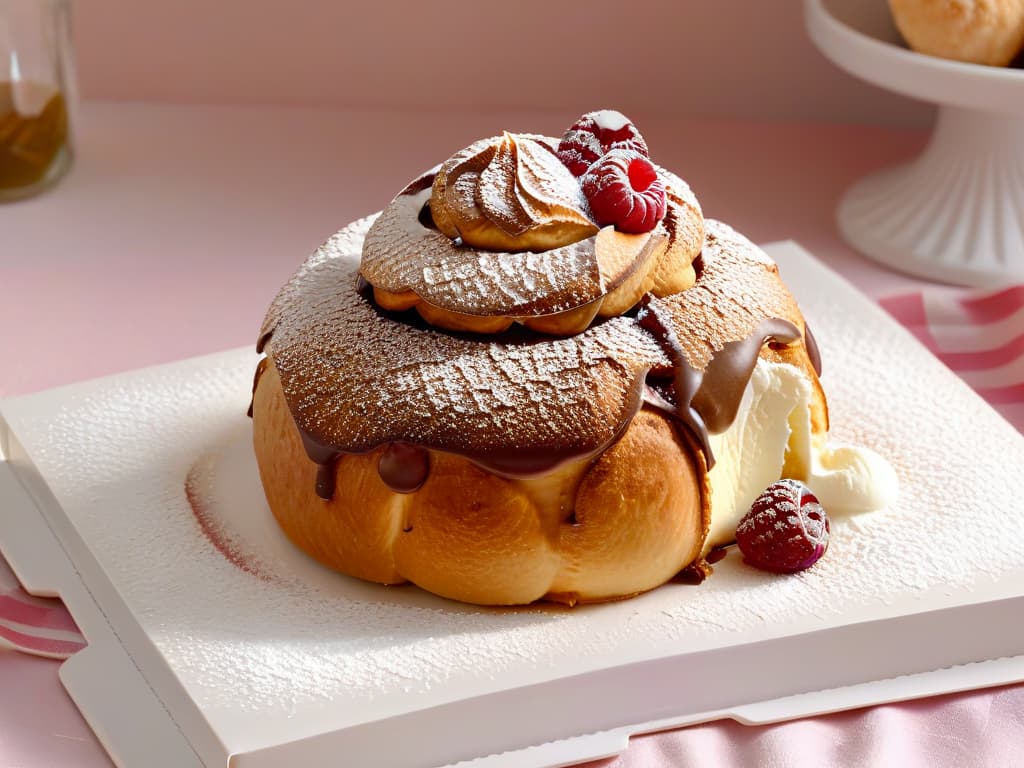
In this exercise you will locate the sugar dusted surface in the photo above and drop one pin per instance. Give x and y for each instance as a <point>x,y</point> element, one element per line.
<point>368,380</point>
<point>316,648</point>
<point>401,258</point>
<point>355,379</point>
<point>525,186</point>
<point>609,120</point>
<point>494,190</point>
<point>517,185</point>
<point>594,134</point>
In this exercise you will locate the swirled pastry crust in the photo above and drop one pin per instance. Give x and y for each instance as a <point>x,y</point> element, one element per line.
<point>356,378</point>
<point>550,469</point>
<point>509,193</point>
<point>438,247</point>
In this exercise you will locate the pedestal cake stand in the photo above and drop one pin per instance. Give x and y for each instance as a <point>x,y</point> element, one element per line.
<point>956,212</point>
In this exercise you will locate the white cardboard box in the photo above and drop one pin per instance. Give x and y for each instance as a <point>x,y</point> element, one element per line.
<point>194,660</point>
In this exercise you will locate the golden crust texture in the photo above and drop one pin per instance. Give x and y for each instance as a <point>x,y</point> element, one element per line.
<point>619,502</point>
<point>501,234</point>
<point>584,532</point>
<point>358,378</point>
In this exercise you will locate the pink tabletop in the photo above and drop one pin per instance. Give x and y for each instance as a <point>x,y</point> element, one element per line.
<point>178,224</point>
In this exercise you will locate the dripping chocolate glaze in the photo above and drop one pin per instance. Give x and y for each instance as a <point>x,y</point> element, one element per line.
<point>706,402</point>
<point>403,466</point>
<point>261,366</point>
<point>326,459</point>
<point>811,345</point>
<point>658,372</point>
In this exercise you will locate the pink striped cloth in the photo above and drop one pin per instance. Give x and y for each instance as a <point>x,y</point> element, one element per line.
<point>36,625</point>
<point>980,336</point>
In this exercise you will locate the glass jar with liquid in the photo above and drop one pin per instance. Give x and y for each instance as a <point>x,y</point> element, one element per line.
<point>36,87</point>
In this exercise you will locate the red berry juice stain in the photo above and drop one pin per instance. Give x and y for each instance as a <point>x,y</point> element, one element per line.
<point>212,529</point>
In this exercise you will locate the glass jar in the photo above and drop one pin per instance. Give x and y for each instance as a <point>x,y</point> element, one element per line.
<point>36,88</point>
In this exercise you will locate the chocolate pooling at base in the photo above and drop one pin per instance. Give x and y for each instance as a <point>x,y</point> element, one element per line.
<point>516,404</point>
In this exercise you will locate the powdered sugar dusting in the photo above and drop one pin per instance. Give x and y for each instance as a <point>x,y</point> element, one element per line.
<point>355,378</point>
<point>402,254</point>
<point>596,133</point>
<point>314,651</point>
<point>494,193</point>
<point>609,120</point>
<point>546,184</point>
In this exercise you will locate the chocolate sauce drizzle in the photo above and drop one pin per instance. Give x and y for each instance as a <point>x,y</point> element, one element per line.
<point>326,459</point>
<point>811,344</point>
<point>706,402</point>
<point>261,366</point>
<point>403,466</point>
<point>703,402</point>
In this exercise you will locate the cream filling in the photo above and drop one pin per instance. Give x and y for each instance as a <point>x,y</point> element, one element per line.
<point>770,438</point>
<point>773,418</point>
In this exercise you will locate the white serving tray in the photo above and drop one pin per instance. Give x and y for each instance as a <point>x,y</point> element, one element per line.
<point>193,660</point>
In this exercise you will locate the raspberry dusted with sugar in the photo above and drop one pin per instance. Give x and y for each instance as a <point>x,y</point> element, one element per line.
<point>786,529</point>
<point>623,189</point>
<point>594,135</point>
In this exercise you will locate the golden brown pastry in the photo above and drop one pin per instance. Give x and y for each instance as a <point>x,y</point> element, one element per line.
<point>450,249</point>
<point>537,374</point>
<point>978,31</point>
<point>550,470</point>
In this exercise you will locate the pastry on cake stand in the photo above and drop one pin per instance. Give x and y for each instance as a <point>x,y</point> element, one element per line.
<point>955,213</point>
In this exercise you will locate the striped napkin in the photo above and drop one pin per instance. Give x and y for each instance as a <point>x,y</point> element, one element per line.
<point>36,625</point>
<point>980,336</point>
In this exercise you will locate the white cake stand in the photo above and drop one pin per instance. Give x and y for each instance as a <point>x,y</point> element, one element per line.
<point>956,213</point>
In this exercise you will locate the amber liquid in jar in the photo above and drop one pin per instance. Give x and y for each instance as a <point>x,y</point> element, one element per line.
<point>33,130</point>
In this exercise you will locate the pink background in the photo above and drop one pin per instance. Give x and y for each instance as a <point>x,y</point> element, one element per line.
<point>726,57</point>
<point>178,222</point>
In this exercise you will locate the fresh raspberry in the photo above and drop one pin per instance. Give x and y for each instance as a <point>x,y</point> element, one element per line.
<point>624,189</point>
<point>786,529</point>
<point>593,135</point>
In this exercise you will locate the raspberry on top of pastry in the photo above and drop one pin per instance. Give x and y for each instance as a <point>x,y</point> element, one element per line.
<point>540,374</point>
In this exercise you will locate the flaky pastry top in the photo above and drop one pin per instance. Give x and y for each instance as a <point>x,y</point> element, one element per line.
<point>356,377</point>
<point>502,230</point>
<point>511,193</point>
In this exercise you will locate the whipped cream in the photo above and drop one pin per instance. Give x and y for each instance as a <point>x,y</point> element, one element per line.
<point>771,438</point>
